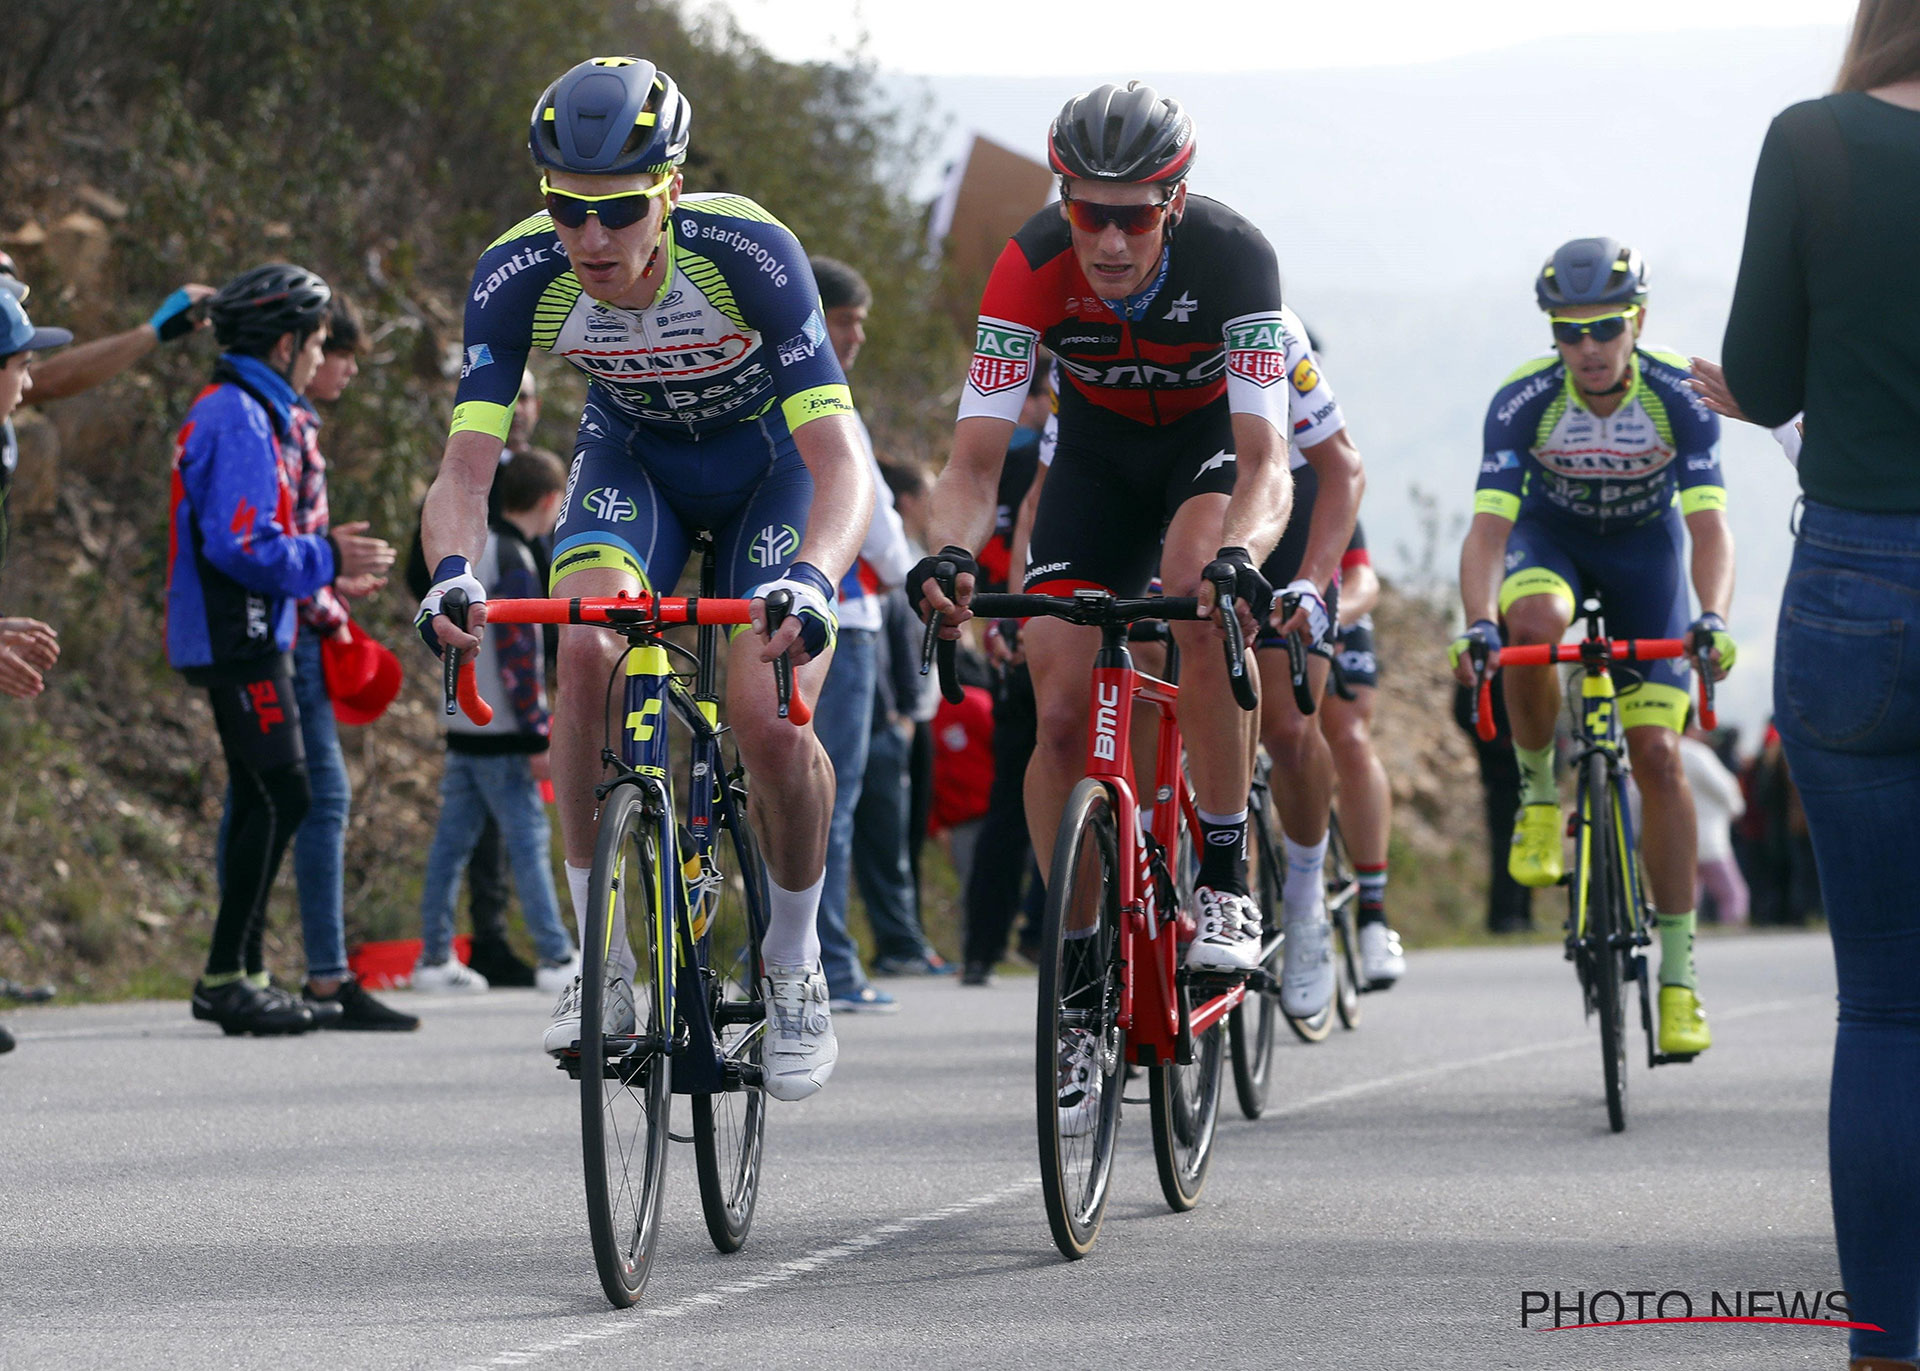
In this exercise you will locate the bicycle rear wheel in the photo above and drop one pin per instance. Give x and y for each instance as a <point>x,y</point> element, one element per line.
<point>1606,919</point>
<point>1186,1111</point>
<point>1343,898</point>
<point>1077,1073</point>
<point>1250,1026</point>
<point>729,1128</point>
<point>625,1076</point>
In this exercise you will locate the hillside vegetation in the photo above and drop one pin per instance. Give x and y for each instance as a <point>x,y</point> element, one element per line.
<point>382,142</point>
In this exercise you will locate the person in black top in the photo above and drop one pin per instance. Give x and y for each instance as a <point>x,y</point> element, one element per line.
<point>1823,322</point>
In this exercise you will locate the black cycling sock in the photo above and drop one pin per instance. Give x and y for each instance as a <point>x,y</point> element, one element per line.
<point>1223,851</point>
<point>1373,893</point>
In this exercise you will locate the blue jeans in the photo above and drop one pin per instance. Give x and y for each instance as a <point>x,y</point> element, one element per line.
<point>880,863</point>
<point>842,720</point>
<point>1847,702</point>
<point>320,843</point>
<point>503,787</point>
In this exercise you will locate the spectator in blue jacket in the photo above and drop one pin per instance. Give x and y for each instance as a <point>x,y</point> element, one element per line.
<point>235,571</point>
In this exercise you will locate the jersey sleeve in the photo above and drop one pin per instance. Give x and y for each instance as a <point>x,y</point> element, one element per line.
<point>1017,307</point>
<point>1312,410</point>
<point>1696,440</point>
<point>769,276</point>
<point>1356,553</point>
<point>1507,438</point>
<point>511,285</point>
<point>1256,335</point>
<point>245,510</point>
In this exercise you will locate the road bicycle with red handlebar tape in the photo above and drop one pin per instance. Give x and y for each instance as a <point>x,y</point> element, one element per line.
<point>1119,906</point>
<point>1608,913</point>
<point>686,1016</point>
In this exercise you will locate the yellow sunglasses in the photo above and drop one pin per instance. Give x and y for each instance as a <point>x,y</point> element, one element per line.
<point>616,211</point>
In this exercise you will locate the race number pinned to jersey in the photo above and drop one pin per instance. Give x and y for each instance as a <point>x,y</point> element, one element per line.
<point>1257,349</point>
<point>1002,356</point>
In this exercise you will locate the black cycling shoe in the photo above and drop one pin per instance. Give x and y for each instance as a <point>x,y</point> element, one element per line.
<point>354,1008</point>
<point>243,1007</point>
<point>326,1013</point>
<point>6,1039</point>
<point>25,994</point>
<point>977,973</point>
<point>493,959</point>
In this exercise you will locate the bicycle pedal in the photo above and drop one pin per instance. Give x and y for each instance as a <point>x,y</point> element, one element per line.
<point>1673,1058</point>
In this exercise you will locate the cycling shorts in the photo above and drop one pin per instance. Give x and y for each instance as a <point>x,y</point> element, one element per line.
<point>1353,653</point>
<point>635,496</point>
<point>1113,488</point>
<point>259,720</point>
<point>1637,575</point>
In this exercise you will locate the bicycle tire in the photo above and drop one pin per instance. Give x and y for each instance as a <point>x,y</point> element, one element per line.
<point>625,1100</point>
<point>729,1128</point>
<point>1605,918</point>
<point>1185,1101</point>
<point>1343,894</point>
<point>1250,1026</point>
<point>1079,993</point>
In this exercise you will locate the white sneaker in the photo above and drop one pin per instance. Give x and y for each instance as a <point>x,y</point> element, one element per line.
<point>1079,1100</point>
<point>1306,980</point>
<point>799,1049</point>
<point>451,977</point>
<point>555,977</point>
<point>616,1016</point>
<point>1380,959</point>
<point>1229,934</point>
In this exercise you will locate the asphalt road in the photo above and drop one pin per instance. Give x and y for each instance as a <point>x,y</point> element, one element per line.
<point>170,1197</point>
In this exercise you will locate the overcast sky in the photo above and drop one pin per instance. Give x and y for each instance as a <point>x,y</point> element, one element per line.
<point>1022,38</point>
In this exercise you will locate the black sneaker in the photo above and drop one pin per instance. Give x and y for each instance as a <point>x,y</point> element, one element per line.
<point>494,960</point>
<point>25,994</point>
<point>6,1039</point>
<point>354,1008</point>
<point>243,1007</point>
<point>977,973</point>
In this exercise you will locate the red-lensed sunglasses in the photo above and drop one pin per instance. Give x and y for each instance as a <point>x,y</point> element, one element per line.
<point>1134,220</point>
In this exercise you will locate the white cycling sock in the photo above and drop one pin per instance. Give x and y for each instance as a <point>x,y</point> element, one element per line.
<point>793,934</point>
<point>620,959</point>
<point>1304,894</point>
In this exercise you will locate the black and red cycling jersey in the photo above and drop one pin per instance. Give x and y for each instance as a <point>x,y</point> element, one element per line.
<point>1207,328</point>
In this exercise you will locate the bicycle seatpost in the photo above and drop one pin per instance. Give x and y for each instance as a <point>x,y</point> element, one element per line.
<point>1229,612</point>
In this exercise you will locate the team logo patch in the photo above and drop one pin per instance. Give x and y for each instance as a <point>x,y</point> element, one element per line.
<point>1305,377</point>
<point>1257,350</point>
<point>1002,357</point>
<point>479,355</point>
<point>772,545</point>
<point>610,504</point>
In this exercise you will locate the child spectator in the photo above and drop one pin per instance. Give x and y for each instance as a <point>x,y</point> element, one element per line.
<point>497,768</point>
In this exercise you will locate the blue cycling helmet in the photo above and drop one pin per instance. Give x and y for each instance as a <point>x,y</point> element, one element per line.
<point>1592,271</point>
<point>611,116</point>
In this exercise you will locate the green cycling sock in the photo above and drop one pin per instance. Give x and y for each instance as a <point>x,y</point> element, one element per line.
<point>260,979</point>
<point>1676,949</point>
<point>1537,785</point>
<point>225,978</point>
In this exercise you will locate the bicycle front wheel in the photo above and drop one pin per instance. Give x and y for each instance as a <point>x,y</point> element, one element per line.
<point>729,1128</point>
<point>1343,898</point>
<point>1186,1111</point>
<point>1077,1074</point>
<point>625,1044</point>
<point>1606,921</point>
<point>1250,1026</point>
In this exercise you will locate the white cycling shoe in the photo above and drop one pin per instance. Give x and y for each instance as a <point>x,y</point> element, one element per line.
<point>1381,961</point>
<point>1306,978</point>
<point>1228,938</point>
<point>1079,1100</point>
<point>616,1016</point>
<point>799,1049</point>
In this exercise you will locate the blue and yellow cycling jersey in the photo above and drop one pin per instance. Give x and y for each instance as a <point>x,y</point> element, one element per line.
<point>1548,454</point>
<point>735,329</point>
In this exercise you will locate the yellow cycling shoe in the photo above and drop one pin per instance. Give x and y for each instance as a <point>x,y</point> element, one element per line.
<point>1683,1023</point>
<point>1536,857</point>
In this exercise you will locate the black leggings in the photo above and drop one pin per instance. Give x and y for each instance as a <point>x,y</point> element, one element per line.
<point>259,725</point>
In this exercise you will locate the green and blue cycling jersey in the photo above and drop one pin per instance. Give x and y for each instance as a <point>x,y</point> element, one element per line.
<point>1597,503</point>
<point>693,399</point>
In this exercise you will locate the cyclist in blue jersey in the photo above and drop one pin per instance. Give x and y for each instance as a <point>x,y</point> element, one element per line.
<point>715,403</point>
<point>1596,455</point>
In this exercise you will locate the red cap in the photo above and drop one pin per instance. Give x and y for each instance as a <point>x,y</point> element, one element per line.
<point>362,676</point>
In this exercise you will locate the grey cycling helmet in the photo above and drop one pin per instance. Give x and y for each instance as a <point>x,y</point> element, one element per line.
<point>1592,271</point>
<point>611,116</point>
<point>253,310</point>
<point>1122,133</point>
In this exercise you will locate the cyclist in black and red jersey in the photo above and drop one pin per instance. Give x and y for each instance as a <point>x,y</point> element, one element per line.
<point>1163,310</point>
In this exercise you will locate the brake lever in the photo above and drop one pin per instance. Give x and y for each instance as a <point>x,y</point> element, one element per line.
<point>1297,658</point>
<point>1226,607</point>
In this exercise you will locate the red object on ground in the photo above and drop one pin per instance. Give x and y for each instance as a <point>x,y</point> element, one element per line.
<point>362,675</point>
<point>962,759</point>
<point>546,791</point>
<point>389,965</point>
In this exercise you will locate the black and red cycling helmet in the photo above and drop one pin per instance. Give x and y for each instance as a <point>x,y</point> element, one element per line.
<point>253,310</point>
<point>1122,133</point>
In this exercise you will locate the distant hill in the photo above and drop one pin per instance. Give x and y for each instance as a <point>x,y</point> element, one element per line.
<point>1411,206</point>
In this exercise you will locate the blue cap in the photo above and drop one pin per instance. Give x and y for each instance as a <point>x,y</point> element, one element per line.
<point>17,333</point>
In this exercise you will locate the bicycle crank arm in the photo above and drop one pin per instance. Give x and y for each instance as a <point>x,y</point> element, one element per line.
<point>739,1012</point>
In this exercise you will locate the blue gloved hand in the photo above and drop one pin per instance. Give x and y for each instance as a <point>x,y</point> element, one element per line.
<point>1483,631</point>
<point>812,604</point>
<point>451,573</point>
<point>176,316</point>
